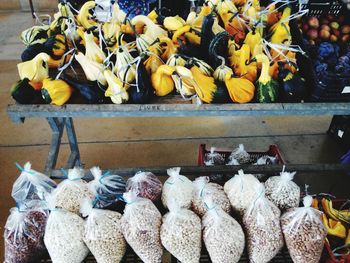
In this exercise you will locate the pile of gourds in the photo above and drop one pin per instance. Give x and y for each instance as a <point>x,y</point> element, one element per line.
<point>228,51</point>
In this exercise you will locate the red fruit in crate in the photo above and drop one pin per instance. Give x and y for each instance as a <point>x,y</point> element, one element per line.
<point>345,29</point>
<point>345,38</point>
<point>305,27</point>
<point>324,34</point>
<point>312,34</point>
<point>325,27</point>
<point>334,25</point>
<point>336,32</point>
<point>333,38</point>
<point>330,17</point>
<point>313,22</point>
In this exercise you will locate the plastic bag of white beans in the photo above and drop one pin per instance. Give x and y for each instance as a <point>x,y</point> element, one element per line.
<point>262,227</point>
<point>64,234</point>
<point>282,191</point>
<point>70,192</point>
<point>141,227</point>
<point>222,234</point>
<point>202,189</point>
<point>177,187</point>
<point>103,235</point>
<point>304,232</point>
<point>181,233</point>
<point>241,191</point>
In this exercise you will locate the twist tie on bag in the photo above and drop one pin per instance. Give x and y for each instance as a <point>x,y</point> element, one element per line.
<point>240,176</point>
<point>201,183</point>
<point>106,174</point>
<point>25,169</point>
<point>75,174</point>
<point>174,174</point>
<point>130,197</point>
<point>65,174</point>
<point>307,201</point>
<point>86,207</point>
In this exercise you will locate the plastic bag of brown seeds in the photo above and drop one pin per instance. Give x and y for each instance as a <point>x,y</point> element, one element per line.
<point>24,234</point>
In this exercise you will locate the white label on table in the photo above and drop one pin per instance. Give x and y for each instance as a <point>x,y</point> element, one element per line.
<point>346,89</point>
<point>340,133</point>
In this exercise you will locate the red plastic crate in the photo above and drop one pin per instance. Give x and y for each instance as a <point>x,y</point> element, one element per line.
<point>225,152</point>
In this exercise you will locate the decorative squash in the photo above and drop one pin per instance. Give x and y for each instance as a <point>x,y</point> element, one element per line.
<point>56,92</point>
<point>267,88</point>
<point>241,90</point>
<point>218,49</point>
<point>36,69</point>
<point>221,71</point>
<point>34,35</point>
<point>116,89</point>
<point>292,85</point>
<point>153,62</point>
<point>207,89</point>
<point>248,72</point>
<point>162,81</point>
<point>23,92</point>
<point>143,91</point>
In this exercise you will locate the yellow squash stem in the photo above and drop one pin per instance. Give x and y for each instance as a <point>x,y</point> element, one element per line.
<point>162,81</point>
<point>264,75</point>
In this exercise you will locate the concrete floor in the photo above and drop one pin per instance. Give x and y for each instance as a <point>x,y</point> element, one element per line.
<point>131,142</point>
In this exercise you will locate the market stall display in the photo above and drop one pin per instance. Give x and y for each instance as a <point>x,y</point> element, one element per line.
<point>103,235</point>
<point>210,55</point>
<point>70,192</point>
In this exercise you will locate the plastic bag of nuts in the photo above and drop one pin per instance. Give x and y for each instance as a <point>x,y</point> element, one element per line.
<point>177,187</point>
<point>146,184</point>
<point>24,233</point>
<point>202,189</point>
<point>31,185</point>
<point>107,188</point>
<point>223,235</point>
<point>262,227</point>
<point>282,191</point>
<point>70,192</point>
<point>239,155</point>
<point>304,232</point>
<point>214,158</point>
<point>140,225</point>
<point>181,233</point>
<point>64,235</point>
<point>241,191</point>
<point>103,235</point>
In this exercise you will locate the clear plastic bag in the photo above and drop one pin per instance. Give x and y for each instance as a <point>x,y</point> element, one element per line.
<point>202,189</point>
<point>107,188</point>
<point>146,184</point>
<point>103,235</point>
<point>24,234</point>
<point>240,155</point>
<point>64,235</point>
<point>70,192</point>
<point>282,191</point>
<point>223,236</point>
<point>31,185</point>
<point>177,187</point>
<point>304,232</point>
<point>141,227</point>
<point>181,233</point>
<point>241,191</point>
<point>214,158</point>
<point>262,227</point>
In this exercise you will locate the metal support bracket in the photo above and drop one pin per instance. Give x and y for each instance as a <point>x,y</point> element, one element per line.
<point>57,126</point>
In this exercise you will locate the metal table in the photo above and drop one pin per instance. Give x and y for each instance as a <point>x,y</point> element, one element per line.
<point>61,118</point>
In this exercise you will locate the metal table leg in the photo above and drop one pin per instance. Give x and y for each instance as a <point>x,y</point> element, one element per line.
<point>74,158</point>
<point>57,126</point>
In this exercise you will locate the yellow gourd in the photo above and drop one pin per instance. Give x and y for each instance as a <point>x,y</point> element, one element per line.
<point>162,81</point>
<point>241,90</point>
<point>56,92</point>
